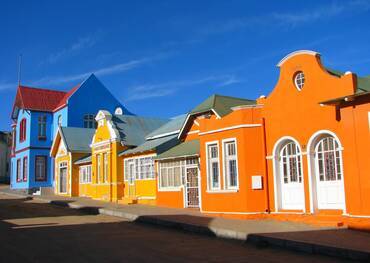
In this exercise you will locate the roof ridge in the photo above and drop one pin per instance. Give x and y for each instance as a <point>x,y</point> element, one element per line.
<point>42,89</point>
<point>231,97</point>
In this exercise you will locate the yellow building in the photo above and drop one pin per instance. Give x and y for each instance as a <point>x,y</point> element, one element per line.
<point>70,144</point>
<point>139,162</point>
<point>114,134</point>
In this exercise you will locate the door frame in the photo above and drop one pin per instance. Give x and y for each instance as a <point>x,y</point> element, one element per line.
<point>311,161</point>
<point>193,166</point>
<point>60,167</point>
<point>277,173</point>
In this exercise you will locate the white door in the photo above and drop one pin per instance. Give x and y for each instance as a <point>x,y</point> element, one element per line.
<point>328,171</point>
<point>291,185</point>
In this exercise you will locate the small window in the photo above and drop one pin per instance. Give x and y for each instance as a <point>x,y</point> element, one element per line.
<point>230,164</point>
<point>98,165</point>
<point>299,80</point>
<point>89,121</point>
<point>60,120</point>
<point>42,127</point>
<point>213,167</point>
<point>25,168</point>
<point>105,175</point>
<point>19,170</point>
<point>40,167</point>
<point>23,130</point>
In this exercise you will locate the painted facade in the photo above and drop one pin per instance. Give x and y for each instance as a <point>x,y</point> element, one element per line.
<point>114,134</point>
<point>36,115</point>
<point>70,145</point>
<point>5,147</point>
<point>317,138</point>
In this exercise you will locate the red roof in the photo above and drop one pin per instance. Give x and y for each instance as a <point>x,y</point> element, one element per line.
<point>41,99</point>
<point>63,101</point>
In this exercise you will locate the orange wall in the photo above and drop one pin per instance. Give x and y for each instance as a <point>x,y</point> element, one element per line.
<point>289,112</point>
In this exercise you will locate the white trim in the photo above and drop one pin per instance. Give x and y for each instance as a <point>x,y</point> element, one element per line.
<point>231,128</point>
<point>178,157</point>
<point>183,126</point>
<point>193,132</point>
<point>170,189</point>
<point>224,171</point>
<point>276,171</point>
<point>311,164</point>
<point>223,191</point>
<point>288,213</point>
<point>242,107</point>
<point>217,115</point>
<point>233,213</point>
<point>199,185</point>
<point>357,216</point>
<point>298,52</point>
<point>146,197</point>
<point>209,188</point>
<point>162,135</point>
<point>196,122</point>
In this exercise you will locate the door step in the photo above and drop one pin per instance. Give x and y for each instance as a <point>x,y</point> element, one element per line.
<point>128,201</point>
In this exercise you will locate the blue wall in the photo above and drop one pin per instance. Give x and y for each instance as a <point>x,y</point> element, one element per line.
<point>62,112</point>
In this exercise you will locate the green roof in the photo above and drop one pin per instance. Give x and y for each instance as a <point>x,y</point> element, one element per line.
<point>158,145</point>
<point>173,126</point>
<point>84,160</point>
<point>189,148</point>
<point>133,129</point>
<point>221,104</point>
<point>363,83</point>
<point>77,139</point>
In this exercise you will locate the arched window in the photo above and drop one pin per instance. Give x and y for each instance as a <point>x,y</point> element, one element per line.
<point>328,159</point>
<point>290,163</point>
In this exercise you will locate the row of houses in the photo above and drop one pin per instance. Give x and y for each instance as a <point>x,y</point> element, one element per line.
<point>302,149</point>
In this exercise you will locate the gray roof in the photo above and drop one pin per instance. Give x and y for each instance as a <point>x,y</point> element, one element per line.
<point>185,149</point>
<point>363,83</point>
<point>158,145</point>
<point>84,160</point>
<point>174,125</point>
<point>133,129</point>
<point>77,139</point>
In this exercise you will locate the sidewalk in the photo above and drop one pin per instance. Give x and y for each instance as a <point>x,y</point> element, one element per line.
<point>338,242</point>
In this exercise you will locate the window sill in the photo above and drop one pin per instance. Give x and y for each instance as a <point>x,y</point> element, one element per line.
<point>173,189</point>
<point>229,191</point>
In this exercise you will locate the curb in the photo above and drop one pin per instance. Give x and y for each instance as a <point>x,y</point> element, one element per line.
<point>256,239</point>
<point>307,247</point>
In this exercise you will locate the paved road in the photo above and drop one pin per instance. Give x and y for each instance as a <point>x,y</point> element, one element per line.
<point>32,231</point>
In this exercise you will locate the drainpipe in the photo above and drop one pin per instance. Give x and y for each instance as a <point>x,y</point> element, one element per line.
<point>265,169</point>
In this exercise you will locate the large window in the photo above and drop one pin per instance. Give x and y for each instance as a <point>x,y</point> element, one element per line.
<point>105,175</point>
<point>230,164</point>
<point>172,173</point>
<point>328,158</point>
<point>98,165</point>
<point>89,121</point>
<point>19,176</point>
<point>25,168</point>
<point>85,174</point>
<point>22,130</point>
<point>42,127</point>
<point>40,168</point>
<point>139,168</point>
<point>290,163</point>
<point>213,167</point>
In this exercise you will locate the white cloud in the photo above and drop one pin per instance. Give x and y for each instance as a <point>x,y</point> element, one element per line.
<point>7,86</point>
<point>147,91</point>
<point>80,44</point>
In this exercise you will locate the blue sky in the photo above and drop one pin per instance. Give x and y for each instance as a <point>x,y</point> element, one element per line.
<point>161,58</point>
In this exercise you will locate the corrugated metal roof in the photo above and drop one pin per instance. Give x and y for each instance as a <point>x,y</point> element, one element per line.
<point>84,160</point>
<point>221,104</point>
<point>133,129</point>
<point>77,139</point>
<point>189,148</point>
<point>174,125</point>
<point>159,145</point>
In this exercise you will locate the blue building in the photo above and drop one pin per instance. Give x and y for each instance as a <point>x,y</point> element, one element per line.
<point>36,115</point>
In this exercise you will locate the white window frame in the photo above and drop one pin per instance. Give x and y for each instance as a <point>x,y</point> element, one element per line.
<point>173,188</point>
<point>298,77</point>
<point>85,174</point>
<point>89,121</point>
<point>98,166</point>
<point>63,164</point>
<point>41,123</point>
<point>209,175</point>
<point>139,174</point>
<point>105,167</point>
<point>225,159</point>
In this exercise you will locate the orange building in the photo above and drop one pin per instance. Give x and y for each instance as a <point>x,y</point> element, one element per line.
<point>317,138</point>
<point>219,166</point>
